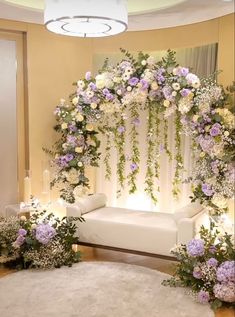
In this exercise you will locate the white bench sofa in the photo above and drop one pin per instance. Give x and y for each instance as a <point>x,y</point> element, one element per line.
<point>154,233</point>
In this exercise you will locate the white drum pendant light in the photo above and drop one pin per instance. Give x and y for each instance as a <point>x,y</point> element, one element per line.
<point>86,18</point>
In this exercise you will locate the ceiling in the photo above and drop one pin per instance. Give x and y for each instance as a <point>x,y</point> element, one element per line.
<point>143,14</point>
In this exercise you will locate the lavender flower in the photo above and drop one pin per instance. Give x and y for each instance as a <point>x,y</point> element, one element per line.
<point>22,232</point>
<point>203,297</point>
<point>44,233</point>
<point>226,272</point>
<point>184,71</point>
<point>207,190</point>
<point>133,167</point>
<point>212,262</point>
<point>121,129</point>
<point>136,121</point>
<point>195,247</point>
<point>133,81</point>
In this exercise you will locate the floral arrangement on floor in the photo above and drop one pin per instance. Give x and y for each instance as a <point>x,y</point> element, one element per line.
<point>207,267</point>
<point>164,89</point>
<point>42,241</point>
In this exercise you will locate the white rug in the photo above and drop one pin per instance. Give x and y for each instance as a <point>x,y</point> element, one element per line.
<point>99,289</point>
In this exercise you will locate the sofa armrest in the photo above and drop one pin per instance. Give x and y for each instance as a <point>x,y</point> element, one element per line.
<point>189,227</point>
<point>73,211</point>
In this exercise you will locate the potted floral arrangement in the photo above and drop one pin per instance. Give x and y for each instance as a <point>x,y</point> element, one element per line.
<point>42,241</point>
<point>206,266</point>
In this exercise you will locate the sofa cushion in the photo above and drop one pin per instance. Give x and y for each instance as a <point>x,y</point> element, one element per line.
<point>188,211</point>
<point>129,229</point>
<point>91,202</point>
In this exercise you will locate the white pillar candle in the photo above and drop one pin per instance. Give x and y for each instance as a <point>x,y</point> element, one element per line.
<point>46,181</point>
<point>27,189</point>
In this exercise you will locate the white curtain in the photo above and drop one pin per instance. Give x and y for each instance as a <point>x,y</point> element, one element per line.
<point>202,61</point>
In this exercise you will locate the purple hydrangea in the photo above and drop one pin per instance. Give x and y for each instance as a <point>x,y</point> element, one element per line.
<point>22,232</point>
<point>215,129</point>
<point>133,81</point>
<point>207,190</point>
<point>225,292</point>
<point>195,247</point>
<point>203,297</point>
<point>88,75</point>
<point>185,92</point>
<point>69,157</point>
<point>206,143</point>
<point>44,233</point>
<point>212,262</point>
<point>144,84</point>
<point>20,240</point>
<point>197,273</point>
<point>226,272</point>
<point>183,71</point>
<point>92,86</point>
<point>133,167</point>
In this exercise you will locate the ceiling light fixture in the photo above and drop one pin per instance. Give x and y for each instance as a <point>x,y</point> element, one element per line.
<point>86,18</point>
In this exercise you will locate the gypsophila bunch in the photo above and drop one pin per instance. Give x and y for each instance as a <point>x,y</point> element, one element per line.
<point>207,267</point>
<point>162,88</point>
<point>42,241</point>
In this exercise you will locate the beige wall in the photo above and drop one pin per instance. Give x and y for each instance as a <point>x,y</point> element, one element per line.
<point>55,61</point>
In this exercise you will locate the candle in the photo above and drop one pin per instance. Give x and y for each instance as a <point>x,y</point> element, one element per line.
<point>46,181</point>
<point>27,189</point>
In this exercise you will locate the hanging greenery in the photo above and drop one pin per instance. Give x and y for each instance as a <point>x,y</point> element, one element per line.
<point>200,107</point>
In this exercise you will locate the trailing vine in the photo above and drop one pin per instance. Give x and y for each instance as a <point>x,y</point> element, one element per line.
<point>135,152</point>
<point>178,157</point>
<point>165,139</point>
<point>150,173</point>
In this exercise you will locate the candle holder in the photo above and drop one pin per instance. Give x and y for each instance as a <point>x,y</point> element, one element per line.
<point>27,187</point>
<point>46,178</point>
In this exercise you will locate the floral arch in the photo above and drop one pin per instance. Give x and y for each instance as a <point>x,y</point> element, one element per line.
<point>98,105</point>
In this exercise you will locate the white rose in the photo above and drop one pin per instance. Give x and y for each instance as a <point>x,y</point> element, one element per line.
<point>89,127</point>
<point>220,201</point>
<point>195,117</point>
<point>79,117</point>
<point>174,93</point>
<point>154,85</point>
<point>75,101</point>
<point>176,86</point>
<point>64,126</point>
<point>143,62</point>
<point>79,149</point>
<point>23,218</point>
<point>226,133</point>
<point>93,105</point>
<point>33,226</point>
<point>166,103</point>
<point>129,88</point>
<point>100,81</point>
<point>80,164</point>
<point>80,84</point>
<point>119,92</point>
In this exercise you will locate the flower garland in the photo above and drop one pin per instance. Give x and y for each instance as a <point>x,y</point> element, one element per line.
<point>200,107</point>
